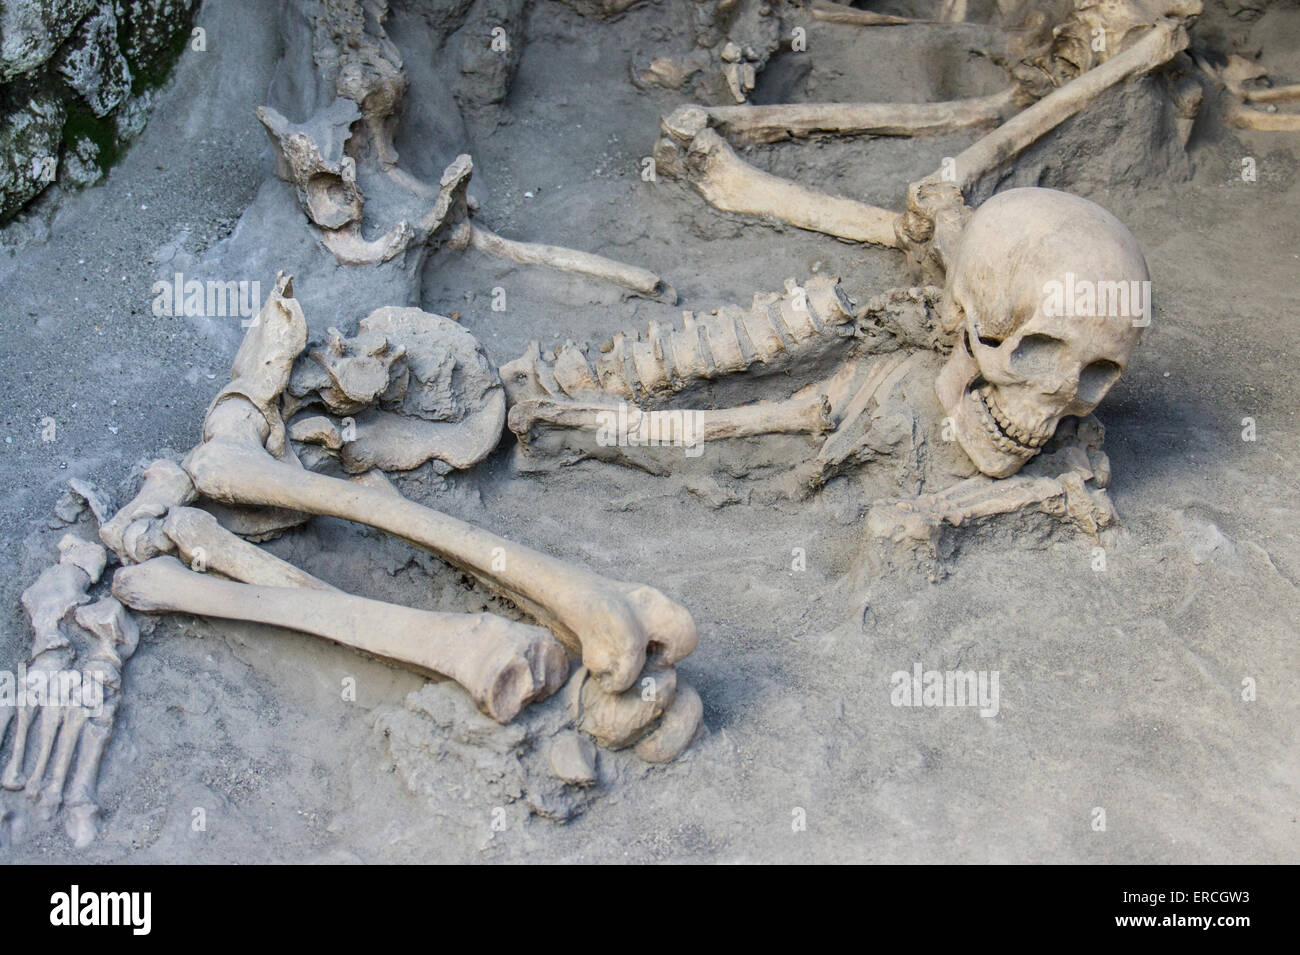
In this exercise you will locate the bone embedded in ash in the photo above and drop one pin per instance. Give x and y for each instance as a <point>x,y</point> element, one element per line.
<point>134,533</point>
<point>207,547</point>
<point>60,589</point>
<point>802,328</point>
<point>409,387</point>
<point>690,150</point>
<point>617,720</point>
<point>677,727</point>
<point>502,664</point>
<point>831,12</point>
<point>768,124</point>
<point>639,280</point>
<point>610,623</point>
<point>1159,45</point>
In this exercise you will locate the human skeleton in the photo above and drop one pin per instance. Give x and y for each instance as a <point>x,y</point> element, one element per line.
<point>953,404</point>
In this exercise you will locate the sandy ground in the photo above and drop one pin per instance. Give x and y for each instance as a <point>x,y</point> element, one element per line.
<point>1120,690</point>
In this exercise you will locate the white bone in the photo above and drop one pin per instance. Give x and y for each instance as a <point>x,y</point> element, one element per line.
<point>768,124</point>
<point>692,151</point>
<point>503,665</point>
<point>205,545</point>
<point>639,280</point>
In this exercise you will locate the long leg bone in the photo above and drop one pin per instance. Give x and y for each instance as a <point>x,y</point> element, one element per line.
<point>207,546</point>
<point>609,622</point>
<point>503,665</point>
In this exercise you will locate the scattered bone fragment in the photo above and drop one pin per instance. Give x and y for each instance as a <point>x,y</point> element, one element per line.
<point>502,664</point>
<point>573,759</point>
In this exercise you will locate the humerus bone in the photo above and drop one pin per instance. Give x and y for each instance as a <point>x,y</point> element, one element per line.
<point>503,665</point>
<point>690,150</point>
<point>769,124</point>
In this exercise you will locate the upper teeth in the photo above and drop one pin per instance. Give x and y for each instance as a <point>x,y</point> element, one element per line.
<point>1002,431</point>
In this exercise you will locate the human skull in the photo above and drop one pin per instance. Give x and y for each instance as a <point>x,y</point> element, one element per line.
<point>1047,296</point>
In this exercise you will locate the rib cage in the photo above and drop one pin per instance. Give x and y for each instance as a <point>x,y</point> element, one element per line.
<point>775,334</point>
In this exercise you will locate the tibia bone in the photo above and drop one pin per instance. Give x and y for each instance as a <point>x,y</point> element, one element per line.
<point>503,665</point>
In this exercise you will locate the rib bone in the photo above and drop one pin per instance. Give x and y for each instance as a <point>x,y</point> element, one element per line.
<point>503,664</point>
